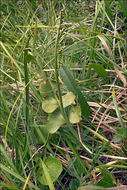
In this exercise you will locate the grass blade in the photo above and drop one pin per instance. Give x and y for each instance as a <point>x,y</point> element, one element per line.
<point>72,86</point>
<point>48,178</point>
<point>17,176</point>
<point>119,114</point>
<point>123,5</point>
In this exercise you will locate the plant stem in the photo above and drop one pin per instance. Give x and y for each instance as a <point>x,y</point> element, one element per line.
<point>56,70</point>
<point>26,91</point>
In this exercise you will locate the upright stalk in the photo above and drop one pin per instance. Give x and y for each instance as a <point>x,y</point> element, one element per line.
<point>59,91</point>
<point>56,69</point>
<point>26,92</point>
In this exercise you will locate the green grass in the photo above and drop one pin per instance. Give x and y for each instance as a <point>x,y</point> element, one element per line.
<point>78,139</point>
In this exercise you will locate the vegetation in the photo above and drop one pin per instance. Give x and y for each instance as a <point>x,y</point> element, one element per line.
<point>63,96</point>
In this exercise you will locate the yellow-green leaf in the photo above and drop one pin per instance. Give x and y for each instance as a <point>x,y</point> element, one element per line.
<point>75,114</point>
<point>50,171</point>
<point>55,120</point>
<point>49,105</point>
<point>68,99</point>
<point>47,177</point>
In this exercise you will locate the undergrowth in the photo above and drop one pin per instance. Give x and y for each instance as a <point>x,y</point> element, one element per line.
<point>63,95</point>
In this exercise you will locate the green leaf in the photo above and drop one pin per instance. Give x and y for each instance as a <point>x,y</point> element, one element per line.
<point>55,120</point>
<point>53,167</point>
<point>72,86</point>
<point>49,105</point>
<point>75,114</point>
<point>100,70</point>
<point>68,99</point>
<point>88,71</point>
<point>40,135</point>
<point>107,180</point>
<point>46,179</point>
